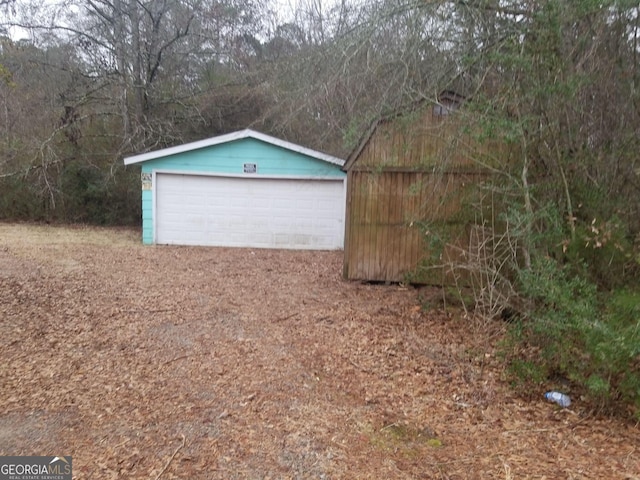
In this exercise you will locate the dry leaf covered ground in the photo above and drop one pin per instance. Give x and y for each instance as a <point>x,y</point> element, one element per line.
<point>211,363</point>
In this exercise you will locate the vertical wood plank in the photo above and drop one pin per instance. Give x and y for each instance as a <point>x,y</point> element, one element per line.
<point>407,174</point>
<point>360,226</point>
<point>347,261</point>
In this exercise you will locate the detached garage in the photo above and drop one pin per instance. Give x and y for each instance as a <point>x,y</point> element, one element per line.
<point>243,189</point>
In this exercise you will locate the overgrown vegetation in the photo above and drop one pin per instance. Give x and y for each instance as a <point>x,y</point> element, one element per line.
<point>555,243</point>
<point>571,333</point>
<point>573,311</point>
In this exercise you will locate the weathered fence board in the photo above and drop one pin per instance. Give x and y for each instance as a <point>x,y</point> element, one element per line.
<point>408,172</point>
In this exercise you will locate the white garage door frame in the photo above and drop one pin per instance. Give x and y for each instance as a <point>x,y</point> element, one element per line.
<point>253,178</point>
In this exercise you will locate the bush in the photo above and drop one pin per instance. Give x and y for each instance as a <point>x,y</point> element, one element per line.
<point>574,311</point>
<point>20,200</point>
<point>572,331</point>
<point>606,249</point>
<point>78,193</point>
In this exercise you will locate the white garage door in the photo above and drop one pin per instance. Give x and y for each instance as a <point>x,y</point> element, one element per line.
<point>255,212</point>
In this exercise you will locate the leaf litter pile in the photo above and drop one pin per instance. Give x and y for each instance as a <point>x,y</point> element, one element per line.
<point>214,363</point>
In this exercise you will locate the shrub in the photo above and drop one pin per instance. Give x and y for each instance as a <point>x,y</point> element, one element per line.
<point>572,331</point>
<point>574,310</point>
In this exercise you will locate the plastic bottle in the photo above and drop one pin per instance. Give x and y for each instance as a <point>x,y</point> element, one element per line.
<point>560,398</point>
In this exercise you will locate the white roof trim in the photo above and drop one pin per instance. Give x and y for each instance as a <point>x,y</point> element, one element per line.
<point>229,137</point>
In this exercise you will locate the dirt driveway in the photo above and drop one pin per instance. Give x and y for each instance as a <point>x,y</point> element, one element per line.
<point>209,363</point>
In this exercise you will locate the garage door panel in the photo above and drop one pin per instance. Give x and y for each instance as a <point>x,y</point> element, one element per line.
<point>271,213</point>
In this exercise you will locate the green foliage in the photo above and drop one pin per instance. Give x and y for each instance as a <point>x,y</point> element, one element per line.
<point>615,343</point>
<point>94,196</point>
<point>605,248</point>
<point>598,387</point>
<point>19,201</point>
<point>565,204</point>
<point>562,304</point>
<point>352,133</point>
<point>526,373</point>
<point>81,194</point>
<point>5,76</point>
<point>572,330</point>
<point>578,307</point>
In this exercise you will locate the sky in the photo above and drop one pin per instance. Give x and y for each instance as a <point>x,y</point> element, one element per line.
<point>287,8</point>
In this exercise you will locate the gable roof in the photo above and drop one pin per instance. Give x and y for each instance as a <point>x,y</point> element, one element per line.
<point>355,153</point>
<point>230,137</point>
<point>446,98</point>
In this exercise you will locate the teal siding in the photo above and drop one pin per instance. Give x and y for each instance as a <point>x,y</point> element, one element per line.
<point>147,217</point>
<point>229,159</point>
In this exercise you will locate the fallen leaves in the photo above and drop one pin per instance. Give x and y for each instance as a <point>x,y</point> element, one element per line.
<point>180,362</point>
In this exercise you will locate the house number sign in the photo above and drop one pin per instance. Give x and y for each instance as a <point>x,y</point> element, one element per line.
<point>250,167</point>
<point>146,181</point>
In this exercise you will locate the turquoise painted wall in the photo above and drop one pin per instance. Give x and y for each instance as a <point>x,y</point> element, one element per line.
<point>229,158</point>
